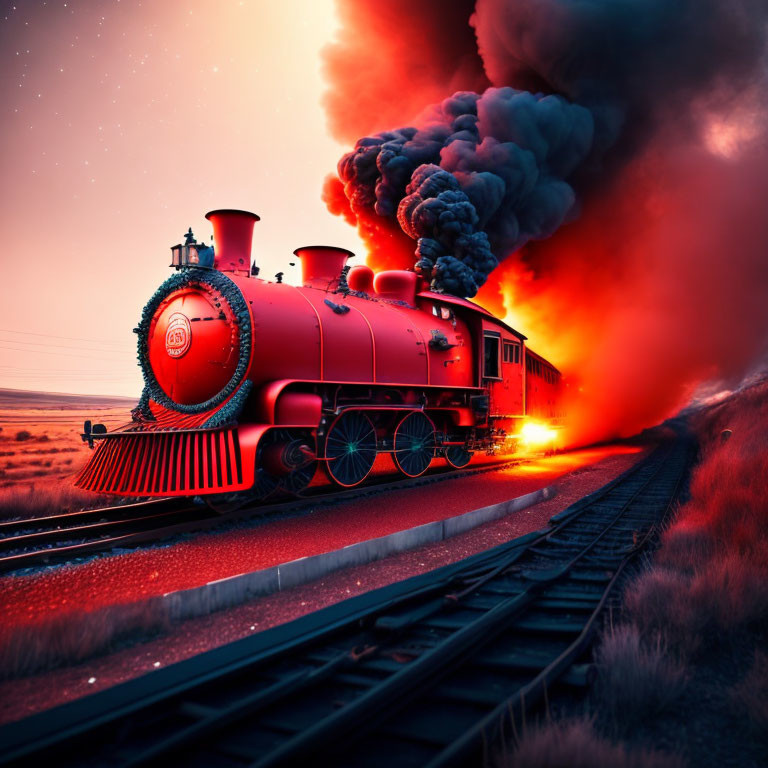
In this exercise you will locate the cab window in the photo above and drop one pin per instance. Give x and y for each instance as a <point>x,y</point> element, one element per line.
<point>444,313</point>
<point>491,343</point>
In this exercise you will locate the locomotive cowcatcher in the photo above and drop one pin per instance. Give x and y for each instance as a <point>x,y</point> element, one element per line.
<point>251,384</point>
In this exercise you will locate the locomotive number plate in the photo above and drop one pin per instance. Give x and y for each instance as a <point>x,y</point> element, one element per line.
<point>178,337</point>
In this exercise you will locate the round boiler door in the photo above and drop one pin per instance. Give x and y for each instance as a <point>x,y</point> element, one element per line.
<point>193,346</point>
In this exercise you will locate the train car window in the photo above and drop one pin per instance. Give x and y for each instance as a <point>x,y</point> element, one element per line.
<point>491,356</point>
<point>511,352</point>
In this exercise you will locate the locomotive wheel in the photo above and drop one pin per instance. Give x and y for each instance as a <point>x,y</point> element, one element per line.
<point>350,449</point>
<point>286,461</point>
<point>457,456</point>
<point>414,444</point>
<point>300,478</point>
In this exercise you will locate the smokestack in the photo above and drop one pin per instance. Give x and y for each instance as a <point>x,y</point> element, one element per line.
<point>232,237</point>
<point>321,265</point>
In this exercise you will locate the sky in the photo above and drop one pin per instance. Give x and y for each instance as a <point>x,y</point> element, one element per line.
<point>123,123</point>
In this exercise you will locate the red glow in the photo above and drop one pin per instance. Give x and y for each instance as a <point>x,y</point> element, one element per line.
<point>392,79</point>
<point>656,288</point>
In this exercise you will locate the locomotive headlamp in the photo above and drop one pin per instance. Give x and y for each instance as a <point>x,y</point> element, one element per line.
<point>187,255</point>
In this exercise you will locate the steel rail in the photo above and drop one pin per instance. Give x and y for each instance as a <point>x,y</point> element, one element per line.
<point>490,728</point>
<point>24,540</point>
<point>78,516</point>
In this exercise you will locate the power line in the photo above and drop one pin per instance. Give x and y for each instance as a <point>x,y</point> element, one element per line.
<point>65,346</point>
<point>51,336</point>
<point>5,375</point>
<point>47,352</point>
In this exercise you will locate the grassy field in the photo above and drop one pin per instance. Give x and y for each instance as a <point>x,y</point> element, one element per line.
<point>41,450</point>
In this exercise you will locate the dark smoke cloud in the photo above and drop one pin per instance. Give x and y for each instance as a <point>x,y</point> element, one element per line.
<point>482,175</point>
<point>630,61</point>
<point>516,156</point>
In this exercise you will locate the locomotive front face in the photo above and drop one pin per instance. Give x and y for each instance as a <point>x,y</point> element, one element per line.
<point>194,340</point>
<point>193,344</point>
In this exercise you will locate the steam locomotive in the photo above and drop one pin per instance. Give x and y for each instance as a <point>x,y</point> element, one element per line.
<point>251,384</point>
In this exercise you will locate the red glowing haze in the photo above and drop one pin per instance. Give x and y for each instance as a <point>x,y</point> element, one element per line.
<point>658,285</point>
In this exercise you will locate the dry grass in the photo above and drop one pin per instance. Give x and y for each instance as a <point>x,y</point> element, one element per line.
<point>41,452</point>
<point>637,677</point>
<point>575,744</point>
<point>750,694</point>
<point>56,641</point>
<point>47,497</point>
<point>694,618</point>
<point>710,585</point>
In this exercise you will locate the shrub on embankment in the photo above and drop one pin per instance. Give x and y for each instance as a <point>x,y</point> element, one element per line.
<point>709,585</point>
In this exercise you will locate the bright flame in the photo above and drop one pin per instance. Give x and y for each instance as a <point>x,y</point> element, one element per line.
<point>535,434</point>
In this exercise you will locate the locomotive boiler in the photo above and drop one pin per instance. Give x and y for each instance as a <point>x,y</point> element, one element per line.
<point>251,384</point>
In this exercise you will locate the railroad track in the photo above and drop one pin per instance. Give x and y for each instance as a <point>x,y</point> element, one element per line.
<point>420,673</point>
<point>35,541</point>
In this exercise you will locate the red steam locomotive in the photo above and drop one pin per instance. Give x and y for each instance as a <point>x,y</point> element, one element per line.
<point>250,384</point>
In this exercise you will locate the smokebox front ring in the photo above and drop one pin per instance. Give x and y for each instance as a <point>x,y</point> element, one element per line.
<point>233,296</point>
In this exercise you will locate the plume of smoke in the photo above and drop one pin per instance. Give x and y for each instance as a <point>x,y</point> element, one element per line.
<point>512,152</point>
<point>482,174</point>
<point>632,62</point>
<point>657,281</point>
